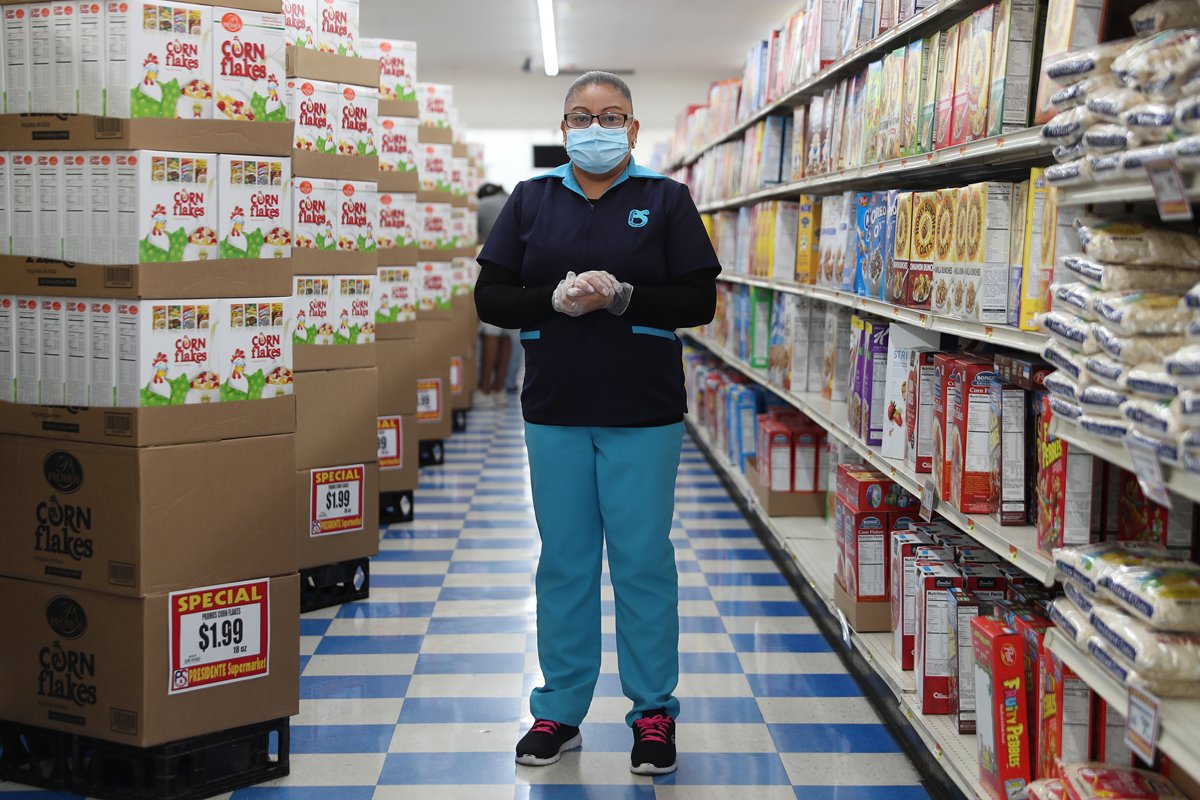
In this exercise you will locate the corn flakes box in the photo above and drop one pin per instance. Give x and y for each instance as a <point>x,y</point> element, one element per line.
<point>353,309</point>
<point>300,23</point>
<point>357,206</point>
<point>316,109</point>
<point>902,247</point>
<point>77,349</point>
<point>254,348</point>
<point>174,202</point>
<point>315,212</point>
<point>102,351</point>
<point>24,212</point>
<point>337,27</point>
<point>398,144</point>
<point>357,120</point>
<point>160,59</point>
<point>76,212</point>
<point>946,87</point>
<point>944,260</point>
<point>248,65</point>
<point>52,361</point>
<point>459,168</point>
<point>92,90</point>
<point>915,69</point>
<point>397,67</point>
<point>27,342</point>
<point>41,57</point>
<point>1010,100</point>
<point>166,353</point>
<point>434,289</point>
<point>49,197</point>
<point>396,292</point>
<point>312,309</point>
<point>433,165</point>
<point>396,225</point>
<point>434,226</point>
<point>67,58</point>
<point>893,99</point>
<point>16,59</point>
<point>254,202</point>
<point>434,103</point>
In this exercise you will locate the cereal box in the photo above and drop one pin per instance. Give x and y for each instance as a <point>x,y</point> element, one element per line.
<point>433,226</point>
<point>864,538</point>
<point>254,348</point>
<point>459,168</point>
<point>300,23</point>
<point>1013,64</point>
<point>835,370</point>
<point>102,201</point>
<point>353,309</point>
<point>1140,519</point>
<point>1070,25</point>
<point>875,349</point>
<point>857,241</point>
<point>1016,250</point>
<point>903,341</point>
<point>316,109</point>
<point>166,353</point>
<point>889,135</point>
<point>943,419</point>
<point>397,67</point>
<point>52,351</point>
<point>919,282</point>
<point>248,65</point>
<point>944,256</point>
<point>934,64</point>
<point>315,207</point>
<point>16,59</point>
<point>174,203</point>
<point>854,372</point>
<point>902,590</point>
<point>396,289</point>
<point>1009,494</point>
<point>808,239</point>
<point>64,97</point>
<point>435,101</point>
<point>920,390</point>
<point>974,62</point>
<point>76,213</point>
<point>1005,756</point>
<point>803,344</point>
<point>932,666</point>
<point>42,91</point>
<point>77,351</point>
<point>254,206</point>
<point>902,236</point>
<point>357,205</point>
<point>916,59</point>
<point>312,304</point>
<point>833,231</point>
<point>872,262</point>
<point>433,291</point>
<point>810,345</point>
<point>337,27</point>
<point>49,205</point>
<point>433,165</point>
<point>962,275</point>
<point>396,225</point>
<point>358,117</point>
<point>102,353</point>
<point>782,328</point>
<point>1041,222</point>
<point>159,59</point>
<point>91,54</point>
<point>28,337</point>
<point>1064,489</point>
<point>961,609</point>
<point>24,203</point>
<point>8,353</point>
<point>968,447</point>
<point>947,74</point>
<point>398,144</point>
<point>873,113</point>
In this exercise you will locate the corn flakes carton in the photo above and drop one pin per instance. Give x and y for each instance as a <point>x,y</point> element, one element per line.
<point>102,355</point>
<point>248,65</point>
<point>300,22</point>
<point>357,205</point>
<point>16,59</point>
<point>159,59</point>
<point>316,109</point>
<point>174,201</point>
<point>93,89</point>
<point>5,204</point>
<point>357,120</point>
<point>41,57</point>
<point>396,294</point>
<point>102,206</point>
<point>434,222</point>
<point>49,205</point>
<point>337,27</point>
<point>24,213</point>
<point>76,210</point>
<point>27,342</point>
<point>67,58</point>
<point>254,348</point>
<point>434,289</point>
<point>434,103</point>
<point>166,353</point>
<point>433,165</point>
<point>459,167</point>
<point>398,144</point>
<point>315,212</point>
<point>312,309</point>
<point>52,364</point>
<point>395,226</point>
<point>254,206</point>
<point>353,309</point>
<point>397,67</point>
<point>8,354</point>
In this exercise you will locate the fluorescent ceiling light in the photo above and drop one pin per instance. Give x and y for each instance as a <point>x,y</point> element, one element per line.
<point>549,40</point>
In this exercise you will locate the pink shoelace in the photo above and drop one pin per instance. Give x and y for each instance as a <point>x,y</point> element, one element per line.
<point>544,726</point>
<point>654,729</point>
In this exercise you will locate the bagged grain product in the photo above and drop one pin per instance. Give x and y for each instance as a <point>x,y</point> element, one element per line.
<point>1074,298</point>
<point>1150,122</point>
<point>1070,173</point>
<point>1059,385</point>
<point>1090,565</point>
<point>1135,350</point>
<point>1187,408</point>
<point>1067,127</point>
<point>1108,105</point>
<point>1106,139</point>
<point>1153,654</point>
<point>1086,63</point>
<point>1073,622</point>
<point>1154,418</point>
<point>1160,65</point>
<point>1118,277</point>
<point>1133,162</point>
<point>1142,314</point>
<point>1106,371</point>
<point>1184,365</point>
<point>1186,152</point>
<point>1152,380</point>
<point>1070,331</point>
<point>1071,363</point>
<point>1066,409</point>
<point>1104,427</point>
<point>1101,401</point>
<point>1165,15</point>
<point>1127,242</point>
<point>1065,153</point>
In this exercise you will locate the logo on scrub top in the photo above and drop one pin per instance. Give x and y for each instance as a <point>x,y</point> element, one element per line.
<point>639,218</point>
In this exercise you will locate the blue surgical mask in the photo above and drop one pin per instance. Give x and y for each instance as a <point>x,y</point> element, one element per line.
<point>597,150</point>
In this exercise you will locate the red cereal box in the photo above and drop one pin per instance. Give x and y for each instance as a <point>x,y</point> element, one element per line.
<point>1095,781</point>
<point>1065,486</point>
<point>932,664</point>
<point>866,556</point>
<point>1032,627</point>
<point>903,592</point>
<point>943,387</point>
<point>983,580</point>
<point>864,489</point>
<point>1005,759</point>
<point>968,444</point>
<point>1064,711</point>
<point>1140,519</point>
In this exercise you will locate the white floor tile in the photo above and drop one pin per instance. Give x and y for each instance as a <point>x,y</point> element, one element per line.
<point>445,792</point>
<point>695,737</point>
<point>475,643</point>
<point>364,711</point>
<point>848,710</point>
<point>466,686</point>
<point>372,664</point>
<point>496,579</point>
<point>332,769</point>
<point>455,737</point>
<point>770,625</point>
<point>859,769</point>
<point>482,608</point>
<point>715,685</point>
<point>585,767</point>
<point>379,626</point>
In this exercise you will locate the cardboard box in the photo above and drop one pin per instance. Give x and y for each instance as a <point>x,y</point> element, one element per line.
<point>8,349</point>
<point>232,278</point>
<point>932,666</point>
<point>358,121</point>
<point>916,68</point>
<point>921,389</point>
<point>88,132</point>
<point>865,490</point>
<point>874,381</point>
<point>945,258</point>
<point>166,354</point>
<point>334,412</point>
<point>1005,757</point>
<point>961,609</point>
<point>1014,64</point>
<point>968,448</point>
<point>943,420</point>
<point>396,302</point>
<point>396,226</point>
<point>901,251</point>
<point>919,280</point>
<point>404,476</point>
<point>781,503</point>
<point>111,667</point>
<point>433,378</point>
<point>95,516</point>
<point>1070,25</point>
<point>808,240</point>
<point>865,538</point>
<point>947,75</point>
<point>974,65</point>
<point>1140,519</point>
<point>338,512</point>
<point>1066,483</point>
<point>158,69</point>
<point>254,348</point>
<point>397,376</point>
<point>1064,704</point>
<point>905,346</point>
<point>254,207</point>
<point>248,65</point>
<point>863,617</point>
<point>313,64</point>
<point>903,592</point>
<point>1007,435</point>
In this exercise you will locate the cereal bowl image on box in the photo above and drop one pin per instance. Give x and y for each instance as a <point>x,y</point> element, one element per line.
<point>248,54</point>
<point>254,344</point>
<point>165,353</point>
<point>312,300</point>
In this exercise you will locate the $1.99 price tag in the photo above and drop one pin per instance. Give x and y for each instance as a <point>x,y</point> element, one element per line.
<point>429,399</point>
<point>391,443</point>
<point>219,634</point>
<point>336,500</point>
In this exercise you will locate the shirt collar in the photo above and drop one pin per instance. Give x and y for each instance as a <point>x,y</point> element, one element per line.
<point>632,170</point>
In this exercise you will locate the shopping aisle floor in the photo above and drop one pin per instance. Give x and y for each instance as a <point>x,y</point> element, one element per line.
<point>422,691</point>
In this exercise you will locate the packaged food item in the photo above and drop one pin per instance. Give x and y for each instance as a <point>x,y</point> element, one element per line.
<point>1047,789</point>
<point>1066,409</point>
<point>315,108</point>
<point>1106,371</point>
<point>166,353</point>
<point>1159,65</point>
<point>1162,593</point>
<point>1064,153</point>
<point>1070,331</point>
<point>1150,122</point>
<point>1104,426</point>
<point>1186,152</point>
<point>1068,126</point>
<point>174,203</point>
<point>1060,385</point>
<point>1101,401</point>
<point>1070,96</point>
<point>254,348</point>
<point>357,208</point>
<point>160,60</point>
<point>1152,417</point>
<point>337,27</point>
<point>1184,366</point>
<point>353,309</point>
<point>920,389</point>
<point>1115,665</point>
<point>1133,162</point>
<point>1164,15</point>
<point>357,121</point>
<point>1075,298</point>
<point>1114,277</point>
<point>248,51</point>
<point>312,298</point>
<point>1009,405</point>
<point>1002,699</point>
<point>1070,173</point>
<point>1152,380</point>
<point>1106,139</point>
<point>1065,484</point>
<point>1143,314</point>
<point>1096,781</point>
<point>434,103</point>
<point>1073,622</point>
<point>300,20</point>
<point>1135,350</point>
<point>1070,362</point>
<point>933,584</point>
<point>1080,64</point>
<point>397,67</point>
<point>1152,654</point>
<point>1090,566</point>
<point>961,608</point>
<point>254,201</point>
<point>1109,105</point>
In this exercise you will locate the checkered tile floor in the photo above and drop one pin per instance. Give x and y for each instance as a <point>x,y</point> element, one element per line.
<point>422,691</point>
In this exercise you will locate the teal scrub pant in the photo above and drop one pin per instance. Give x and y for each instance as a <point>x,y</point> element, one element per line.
<point>591,487</point>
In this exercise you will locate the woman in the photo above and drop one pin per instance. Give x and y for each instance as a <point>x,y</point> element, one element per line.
<point>598,262</point>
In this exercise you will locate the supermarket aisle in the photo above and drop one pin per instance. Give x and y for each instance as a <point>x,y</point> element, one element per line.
<point>427,683</point>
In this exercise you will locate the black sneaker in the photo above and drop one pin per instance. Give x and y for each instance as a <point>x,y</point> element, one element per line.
<point>546,742</point>
<point>653,744</point>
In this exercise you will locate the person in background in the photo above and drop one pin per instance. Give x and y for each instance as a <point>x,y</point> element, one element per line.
<point>598,262</point>
<point>496,343</point>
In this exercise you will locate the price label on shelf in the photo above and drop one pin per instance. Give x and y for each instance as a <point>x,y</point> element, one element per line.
<point>1141,724</point>
<point>928,500</point>
<point>218,634</point>
<point>1149,472</point>
<point>1169,191</point>
<point>336,500</point>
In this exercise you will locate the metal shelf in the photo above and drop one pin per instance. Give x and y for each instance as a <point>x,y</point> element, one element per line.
<point>1017,544</point>
<point>1127,191</point>
<point>1179,719</point>
<point>1022,147</point>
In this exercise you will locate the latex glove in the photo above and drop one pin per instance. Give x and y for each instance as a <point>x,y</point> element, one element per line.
<point>621,299</point>
<point>596,281</point>
<point>562,301</point>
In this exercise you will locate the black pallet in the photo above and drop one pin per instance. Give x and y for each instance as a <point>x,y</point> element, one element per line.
<point>395,507</point>
<point>334,584</point>
<point>460,421</point>
<point>188,769</point>
<point>432,453</point>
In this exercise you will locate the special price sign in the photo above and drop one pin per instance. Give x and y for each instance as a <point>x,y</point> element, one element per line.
<point>219,634</point>
<point>391,443</point>
<point>336,500</point>
<point>429,399</point>
<point>456,375</point>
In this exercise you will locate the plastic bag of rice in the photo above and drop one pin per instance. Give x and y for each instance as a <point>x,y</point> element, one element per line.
<point>1165,15</point>
<point>1159,65</point>
<point>1067,127</point>
<point>1133,162</point>
<point>1124,278</point>
<point>1143,314</point>
<point>1101,401</point>
<point>1065,409</point>
<point>1070,619</point>
<point>1153,654</point>
<point>1127,242</point>
<point>1112,428</point>
<point>1084,63</point>
<point>1184,366</point>
<point>1089,565</point>
<point>1070,173</point>
<point>1105,370</point>
<point>1074,298</point>
<point>1107,139</point>
<point>1071,363</point>
<point>1107,106</point>
<point>1150,122</point>
<point>1059,385</point>
<point>1165,594</point>
<point>1070,331</point>
<point>1152,417</point>
<point>1137,349</point>
<point>1152,380</point>
<point>1186,408</point>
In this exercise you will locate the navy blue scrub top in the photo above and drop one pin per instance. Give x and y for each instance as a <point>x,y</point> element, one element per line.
<point>599,369</point>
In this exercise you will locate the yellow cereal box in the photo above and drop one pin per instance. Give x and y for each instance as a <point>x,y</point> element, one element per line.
<point>808,240</point>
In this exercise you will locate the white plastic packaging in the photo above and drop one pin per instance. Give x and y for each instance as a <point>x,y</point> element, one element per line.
<point>1071,363</point>
<point>1068,152</point>
<point>1137,349</point>
<point>1070,620</point>
<point>1152,417</point>
<point>1165,15</point>
<point>1059,385</point>
<point>1105,427</point>
<point>1070,173</point>
<point>1107,139</point>
<point>1167,449</point>
<point>1152,380</point>
<point>1151,122</point>
<point>1133,162</point>
<point>1187,116</point>
<point>1101,401</point>
<point>1186,152</point>
<point>1070,331</point>
<point>1074,298</point>
<point>1164,594</point>
<point>1122,278</point>
<point>1097,781</point>
<point>1127,242</point>
<point>1142,314</point>
<point>1187,408</point>
<point>1066,409</point>
<point>1090,565</point>
<point>1105,370</point>
<point>1067,127</point>
<point>1080,64</point>
<point>1107,106</point>
<point>1184,366</point>
<point>1080,598</point>
<point>1159,65</point>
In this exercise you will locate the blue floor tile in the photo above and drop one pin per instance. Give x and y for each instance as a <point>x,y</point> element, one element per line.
<point>687,515</point>
<point>732,554</point>
<point>371,610</point>
<point>443,710</point>
<point>745,579</point>
<point>304,663</point>
<point>761,608</point>
<point>720,709</point>
<point>911,792</point>
<point>833,738</point>
<point>710,663</point>
<point>402,581</point>
<point>687,566</point>
<point>499,523</point>
<point>307,739</point>
<point>701,625</point>
<point>353,687</point>
<point>470,663</point>
<point>451,625</point>
<point>723,533</point>
<point>780,643</point>
<point>515,492</point>
<point>468,543</point>
<point>486,592</point>
<point>400,532</point>
<point>804,685</point>
<point>345,645</point>
<point>401,769</point>
<point>290,793</point>
<point>400,554</point>
<point>561,791</point>
<point>426,515</point>
<point>310,626</point>
<point>490,567</point>
<point>727,769</point>
<point>694,593</point>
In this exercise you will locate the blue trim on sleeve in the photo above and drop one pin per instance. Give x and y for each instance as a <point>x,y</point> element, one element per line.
<point>529,335</point>
<point>659,332</point>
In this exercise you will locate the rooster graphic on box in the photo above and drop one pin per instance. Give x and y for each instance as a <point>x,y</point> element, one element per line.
<point>158,230</point>
<point>150,86</point>
<point>237,375</point>
<point>236,238</point>
<point>158,383</point>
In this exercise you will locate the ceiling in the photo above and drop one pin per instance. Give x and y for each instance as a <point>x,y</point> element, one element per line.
<point>693,40</point>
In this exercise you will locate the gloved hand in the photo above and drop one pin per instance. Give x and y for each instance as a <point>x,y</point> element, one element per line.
<point>596,281</point>
<point>621,299</point>
<point>562,301</point>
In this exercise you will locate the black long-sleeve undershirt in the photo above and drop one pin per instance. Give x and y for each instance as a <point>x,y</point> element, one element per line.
<point>502,300</point>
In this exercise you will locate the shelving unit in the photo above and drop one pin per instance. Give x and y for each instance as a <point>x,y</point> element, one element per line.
<point>810,544</point>
<point>1002,335</point>
<point>1023,148</point>
<point>1126,191</point>
<point>1017,544</point>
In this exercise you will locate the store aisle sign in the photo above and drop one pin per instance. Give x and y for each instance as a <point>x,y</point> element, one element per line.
<point>218,635</point>
<point>336,500</point>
